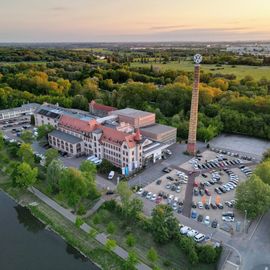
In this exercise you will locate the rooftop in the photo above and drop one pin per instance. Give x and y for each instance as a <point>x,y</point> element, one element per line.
<point>131,113</point>
<point>157,129</point>
<point>102,107</point>
<point>22,108</point>
<point>65,136</point>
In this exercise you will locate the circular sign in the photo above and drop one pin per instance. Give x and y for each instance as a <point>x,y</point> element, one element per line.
<point>197,58</point>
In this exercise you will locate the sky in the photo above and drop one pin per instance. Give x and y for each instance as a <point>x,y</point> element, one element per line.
<point>133,20</point>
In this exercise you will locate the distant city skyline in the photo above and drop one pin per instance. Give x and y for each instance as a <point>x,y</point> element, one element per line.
<point>129,20</point>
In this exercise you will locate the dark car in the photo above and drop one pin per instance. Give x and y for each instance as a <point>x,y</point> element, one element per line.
<point>170,178</point>
<point>195,192</point>
<point>213,206</point>
<point>211,182</point>
<point>180,210</point>
<point>158,182</point>
<point>200,218</point>
<point>207,192</point>
<point>214,223</point>
<point>173,188</point>
<point>206,206</point>
<point>204,175</point>
<point>228,214</point>
<point>109,192</point>
<point>202,192</point>
<point>193,205</point>
<point>220,206</point>
<point>144,193</point>
<point>167,170</point>
<point>217,191</point>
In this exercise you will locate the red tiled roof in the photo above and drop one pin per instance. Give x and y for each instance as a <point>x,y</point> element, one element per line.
<point>102,107</point>
<point>137,136</point>
<point>77,124</point>
<point>117,137</point>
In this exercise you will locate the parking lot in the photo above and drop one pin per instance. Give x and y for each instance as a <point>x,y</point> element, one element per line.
<point>212,193</point>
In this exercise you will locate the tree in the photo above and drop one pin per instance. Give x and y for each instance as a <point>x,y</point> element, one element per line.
<point>130,240</point>
<point>164,224</point>
<point>152,255</point>
<point>27,136</point>
<point>110,244</point>
<point>253,196</point>
<point>50,155</point>
<point>44,130</point>
<point>207,254</point>
<point>263,171</point>
<point>55,172</point>
<point>266,154</point>
<point>130,207</point>
<point>26,153</point>
<point>74,186</point>
<point>80,102</point>
<point>131,262</point>
<point>111,228</point>
<point>24,176</point>
<point>1,140</point>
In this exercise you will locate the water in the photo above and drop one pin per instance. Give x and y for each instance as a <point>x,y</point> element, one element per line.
<point>25,244</point>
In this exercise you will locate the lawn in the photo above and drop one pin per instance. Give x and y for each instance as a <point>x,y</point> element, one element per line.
<point>240,71</point>
<point>144,241</point>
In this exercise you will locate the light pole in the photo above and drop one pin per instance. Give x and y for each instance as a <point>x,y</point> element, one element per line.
<point>245,220</point>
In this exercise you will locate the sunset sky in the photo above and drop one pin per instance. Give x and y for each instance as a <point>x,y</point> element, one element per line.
<point>133,20</point>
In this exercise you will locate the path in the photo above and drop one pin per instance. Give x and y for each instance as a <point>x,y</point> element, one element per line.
<point>101,237</point>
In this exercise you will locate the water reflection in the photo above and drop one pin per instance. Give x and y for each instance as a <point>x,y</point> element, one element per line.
<point>25,217</point>
<point>76,254</point>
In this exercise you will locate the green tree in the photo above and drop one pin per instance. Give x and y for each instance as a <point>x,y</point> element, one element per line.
<point>253,196</point>
<point>111,228</point>
<point>1,141</point>
<point>110,244</point>
<point>263,171</point>
<point>152,255</point>
<point>164,224</point>
<point>26,153</point>
<point>44,130</point>
<point>55,172</point>
<point>266,154</point>
<point>74,186</point>
<point>130,240</point>
<point>24,176</point>
<point>131,262</point>
<point>50,155</point>
<point>207,254</point>
<point>27,136</point>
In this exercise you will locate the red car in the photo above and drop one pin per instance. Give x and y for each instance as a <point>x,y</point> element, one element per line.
<point>195,184</point>
<point>158,200</point>
<point>207,192</point>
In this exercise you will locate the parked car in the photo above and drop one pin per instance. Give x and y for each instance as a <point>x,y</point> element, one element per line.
<point>167,169</point>
<point>149,195</point>
<point>207,220</point>
<point>207,192</point>
<point>200,218</point>
<point>184,230</point>
<point>192,233</point>
<point>214,224</point>
<point>140,191</point>
<point>111,175</point>
<point>206,206</point>
<point>199,237</point>
<point>228,219</point>
<point>158,182</point>
<point>193,214</point>
<point>144,193</point>
<point>213,206</point>
<point>200,205</point>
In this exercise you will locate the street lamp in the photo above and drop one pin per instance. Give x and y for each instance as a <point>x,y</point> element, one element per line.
<point>245,220</point>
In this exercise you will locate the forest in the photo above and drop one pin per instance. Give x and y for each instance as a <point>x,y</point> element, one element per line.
<point>72,78</point>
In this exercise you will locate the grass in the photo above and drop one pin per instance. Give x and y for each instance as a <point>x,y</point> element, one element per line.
<point>144,241</point>
<point>240,71</point>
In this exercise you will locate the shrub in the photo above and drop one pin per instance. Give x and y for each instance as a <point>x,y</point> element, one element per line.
<point>207,254</point>
<point>167,263</point>
<point>81,210</point>
<point>110,244</point>
<point>111,228</point>
<point>79,222</point>
<point>96,219</point>
<point>130,240</point>
<point>110,205</point>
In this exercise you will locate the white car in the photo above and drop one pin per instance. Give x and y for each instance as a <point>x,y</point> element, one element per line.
<point>199,237</point>
<point>140,191</point>
<point>154,197</point>
<point>169,152</point>
<point>149,195</point>
<point>185,230</point>
<point>200,205</point>
<point>228,219</point>
<point>178,189</point>
<point>207,220</point>
<point>91,158</point>
<point>192,233</point>
<point>111,175</point>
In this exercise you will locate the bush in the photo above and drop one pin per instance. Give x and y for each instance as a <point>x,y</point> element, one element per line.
<point>130,240</point>
<point>111,228</point>
<point>96,219</point>
<point>81,210</point>
<point>110,244</point>
<point>207,254</point>
<point>79,222</point>
<point>110,205</point>
<point>167,263</point>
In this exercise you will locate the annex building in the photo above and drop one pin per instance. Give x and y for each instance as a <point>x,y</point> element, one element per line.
<point>128,138</point>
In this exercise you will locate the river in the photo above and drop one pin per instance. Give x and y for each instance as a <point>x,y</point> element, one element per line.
<point>25,244</point>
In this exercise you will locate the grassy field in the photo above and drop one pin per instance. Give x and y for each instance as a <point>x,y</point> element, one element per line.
<point>144,241</point>
<point>240,71</point>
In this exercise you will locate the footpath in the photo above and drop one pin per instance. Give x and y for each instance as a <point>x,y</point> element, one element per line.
<point>101,237</point>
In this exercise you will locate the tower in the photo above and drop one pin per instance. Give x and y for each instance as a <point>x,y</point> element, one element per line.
<point>193,120</point>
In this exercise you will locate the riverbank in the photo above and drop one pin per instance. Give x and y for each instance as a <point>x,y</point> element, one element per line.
<point>83,242</point>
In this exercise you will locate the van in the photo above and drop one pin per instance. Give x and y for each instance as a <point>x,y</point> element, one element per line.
<point>199,237</point>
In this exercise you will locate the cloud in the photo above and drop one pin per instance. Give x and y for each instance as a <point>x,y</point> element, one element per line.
<point>59,8</point>
<point>167,27</point>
